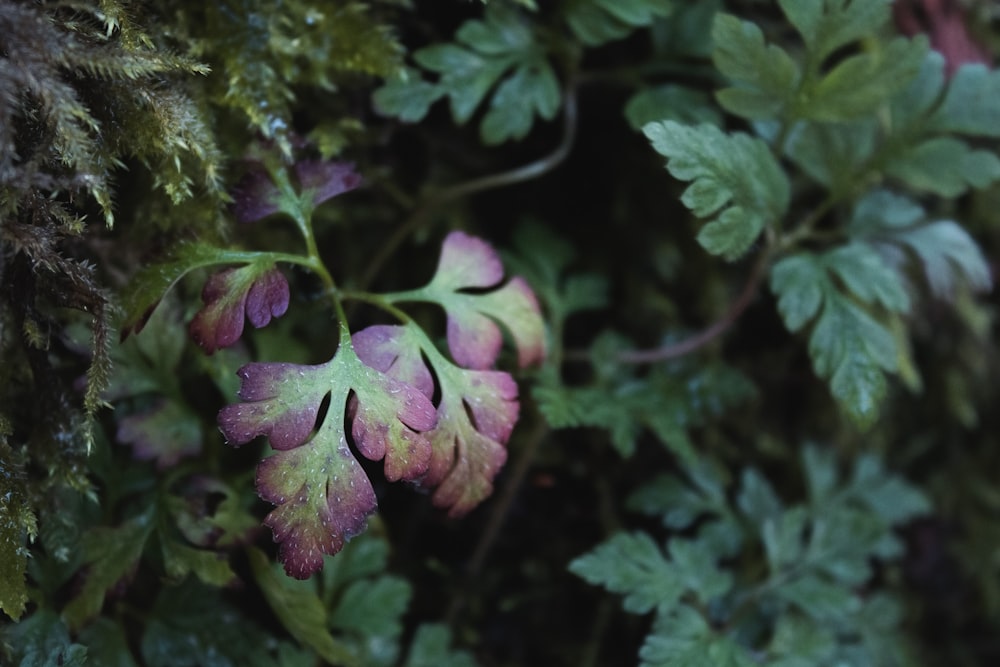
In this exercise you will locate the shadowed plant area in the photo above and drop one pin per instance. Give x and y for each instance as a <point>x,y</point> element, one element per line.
<point>501,333</point>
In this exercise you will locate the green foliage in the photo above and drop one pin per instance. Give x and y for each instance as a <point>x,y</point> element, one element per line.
<point>816,556</point>
<point>595,22</point>
<point>734,176</point>
<point>621,347</point>
<point>497,54</point>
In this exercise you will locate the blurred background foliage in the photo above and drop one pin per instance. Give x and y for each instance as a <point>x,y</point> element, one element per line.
<point>706,486</point>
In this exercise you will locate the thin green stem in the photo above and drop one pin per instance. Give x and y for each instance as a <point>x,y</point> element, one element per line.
<point>377,300</point>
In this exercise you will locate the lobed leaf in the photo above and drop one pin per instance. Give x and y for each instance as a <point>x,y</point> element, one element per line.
<point>165,433</point>
<point>945,166</point>
<point>596,22</point>
<point>256,196</point>
<point>767,78</point>
<point>256,292</point>
<point>832,153</point>
<point>474,337</point>
<point>323,496</point>
<point>299,609</point>
<point>732,173</point>
<point>632,564</point>
<point>475,416</point>
<point>498,53</point>
<point>827,25</point>
<point>112,555</point>
<point>430,649</point>
<point>862,83</point>
<point>43,640</point>
<point>682,638</point>
<point>847,345</point>
<point>971,104</point>
<point>946,251</point>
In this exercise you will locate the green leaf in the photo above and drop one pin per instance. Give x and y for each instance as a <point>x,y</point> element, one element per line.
<point>407,96</point>
<point>827,25</point>
<point>757,499</point>
<point>945,166</point>
<point>596,22</point>
<point>821,600</point>
<point>532,89</point>
<point>668,402</point>
<point>671,499</point>
<point>111,556</point>
<point>853,351</point>
<point>766,76</point>
<point>946,251</point>
<point>848,346</point>
<point>191,625</point>
<point>798,282</point>
<point>682,638</point>
<point>299,609</point>
<point>697,566</point>
<point>211,567</point>
<point>782,537</point>
<point>800,642</point>
<point>633,565</point>
<point>862,83</point>
<point>735,174</point>
<point>972,103</point>
<point>42,640</point>
<point>671,102</point>
<point>820,467</point>
<point>889,496</point>
<point>107,644</point>
<point>832,153</point>
<point>498,53</point>
<point>373,607</point>
<point>430,648</point>
<point>866,275</point>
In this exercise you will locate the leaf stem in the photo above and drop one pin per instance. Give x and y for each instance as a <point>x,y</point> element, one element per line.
<point>520,174</point>
<point>709,334</point>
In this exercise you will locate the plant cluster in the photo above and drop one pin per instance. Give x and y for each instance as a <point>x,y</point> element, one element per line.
<point>748,395</point>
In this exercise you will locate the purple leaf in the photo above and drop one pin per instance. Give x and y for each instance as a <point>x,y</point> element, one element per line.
<point>323,499</point>
<point>281,401</point>
<point>256,292</point>
<point>469,452</point>
<point>256,196</point>
<point>165,433</point>
<point>474,338</point>
<point>321,492</point>
<point>477,413</point>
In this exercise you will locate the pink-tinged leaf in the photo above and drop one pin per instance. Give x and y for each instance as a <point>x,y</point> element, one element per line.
<point>386,349</point>
<point>321,492</point>
<point>387,424</point>
<point>326,179</point>
<point>256,196</point>
<point>165,433</point>
<point>477,413</point>
<point>469,452</point>
<point>322,495</point>
<point>474,337</point>
<point>474,318</point>
<point>281,401</point>
<point>467,262</point>
<point>394,408</point>
<point>256,292</point>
